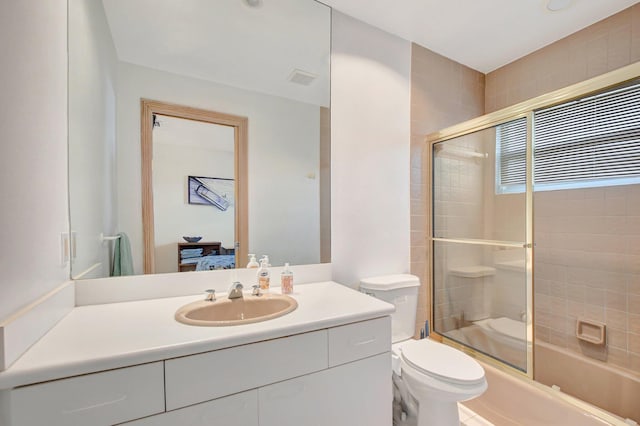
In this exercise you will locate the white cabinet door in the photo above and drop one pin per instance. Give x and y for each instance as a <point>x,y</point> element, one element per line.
<point>236,410</point>
<point>296,402</point>
<point>361,393</point>
<point>353,394</point>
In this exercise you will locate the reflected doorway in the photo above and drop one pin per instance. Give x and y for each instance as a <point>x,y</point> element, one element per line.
<point>194,184</point>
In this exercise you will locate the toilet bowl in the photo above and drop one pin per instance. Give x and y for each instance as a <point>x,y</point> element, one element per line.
<point>438,377</point>
<point>434,375</point>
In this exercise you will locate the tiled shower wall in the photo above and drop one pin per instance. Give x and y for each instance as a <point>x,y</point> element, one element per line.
<point>443,92</point>
<point>587,265</point>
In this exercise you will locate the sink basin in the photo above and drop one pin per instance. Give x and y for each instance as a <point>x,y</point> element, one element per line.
<point>225,312</point>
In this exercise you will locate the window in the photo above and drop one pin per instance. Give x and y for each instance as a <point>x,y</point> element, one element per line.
<point>593,141</point>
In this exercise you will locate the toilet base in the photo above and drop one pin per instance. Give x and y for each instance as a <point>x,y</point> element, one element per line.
<point>442,413</point>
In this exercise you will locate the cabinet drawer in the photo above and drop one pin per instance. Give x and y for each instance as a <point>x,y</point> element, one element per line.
<point>197,378</point>
<point>359,340</point>
<point>95,399</point>
<point>236,410</point>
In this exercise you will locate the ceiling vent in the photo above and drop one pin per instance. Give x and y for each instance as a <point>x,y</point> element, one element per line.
<point>302,77</point>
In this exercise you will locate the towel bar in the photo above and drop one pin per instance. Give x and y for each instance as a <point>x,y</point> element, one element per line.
<point>104,238</point>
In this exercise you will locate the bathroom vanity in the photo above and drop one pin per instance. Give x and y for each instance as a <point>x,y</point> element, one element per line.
<point>326,363</point>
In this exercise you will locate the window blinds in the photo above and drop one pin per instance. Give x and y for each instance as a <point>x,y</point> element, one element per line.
<point>511,155</point>
<point>593,141</point>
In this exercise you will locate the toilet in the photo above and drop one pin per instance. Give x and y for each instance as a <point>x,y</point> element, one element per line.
<point>434,375</point>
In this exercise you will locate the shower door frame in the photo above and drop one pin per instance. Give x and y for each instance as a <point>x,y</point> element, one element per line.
<point>526,110</point>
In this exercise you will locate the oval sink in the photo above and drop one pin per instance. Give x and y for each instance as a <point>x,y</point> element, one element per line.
<point>224,312</point>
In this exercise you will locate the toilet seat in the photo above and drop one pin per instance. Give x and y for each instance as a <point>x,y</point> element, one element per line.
<point>442,362</point>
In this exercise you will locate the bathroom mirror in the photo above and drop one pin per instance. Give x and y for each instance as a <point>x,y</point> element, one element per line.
<point>264,60</point>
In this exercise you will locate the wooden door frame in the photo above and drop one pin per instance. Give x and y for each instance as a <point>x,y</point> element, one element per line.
<point>240,124</point>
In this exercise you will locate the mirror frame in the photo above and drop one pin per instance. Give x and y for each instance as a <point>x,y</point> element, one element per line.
<point>240,124</point>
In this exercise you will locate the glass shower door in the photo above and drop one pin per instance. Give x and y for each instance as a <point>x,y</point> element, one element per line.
<point>481,243</point>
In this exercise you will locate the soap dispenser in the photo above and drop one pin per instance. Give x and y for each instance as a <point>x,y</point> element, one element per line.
<point>286,280</point>
<point>264,276</point>
<point>253,263</point>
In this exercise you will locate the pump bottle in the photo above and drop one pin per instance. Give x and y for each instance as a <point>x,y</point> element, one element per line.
<point>264,276</point>
<point>253,263</point>
<point>286,280</point>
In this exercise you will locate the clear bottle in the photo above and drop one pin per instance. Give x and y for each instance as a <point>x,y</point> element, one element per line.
<point>263,274</point>
<point>286,280</point>
<point>253,263</point>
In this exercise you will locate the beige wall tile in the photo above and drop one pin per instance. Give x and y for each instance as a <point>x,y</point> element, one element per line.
<point>616,319</point>
<point>617,301</point>
<point>620,357</point>
<point>617,339</point>
<point>634,323</point>
<point>635,33</point>
<point>634,304</point>
<point>634,343</point>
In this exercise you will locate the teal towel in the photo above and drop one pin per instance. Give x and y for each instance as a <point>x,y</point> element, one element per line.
<point>122,260</point>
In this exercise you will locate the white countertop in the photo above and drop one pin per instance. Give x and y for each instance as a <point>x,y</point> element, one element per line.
<point>102,337</point>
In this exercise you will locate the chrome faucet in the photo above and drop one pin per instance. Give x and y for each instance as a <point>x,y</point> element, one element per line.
<point>235,291</point>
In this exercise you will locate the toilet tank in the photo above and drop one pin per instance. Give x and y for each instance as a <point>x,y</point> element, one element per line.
<point>401,291</point>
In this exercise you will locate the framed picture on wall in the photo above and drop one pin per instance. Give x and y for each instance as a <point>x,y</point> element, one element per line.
<point>210,191</point>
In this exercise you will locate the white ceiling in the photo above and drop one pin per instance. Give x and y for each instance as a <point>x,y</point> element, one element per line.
<point>228,42</point>
<point>482,34</point>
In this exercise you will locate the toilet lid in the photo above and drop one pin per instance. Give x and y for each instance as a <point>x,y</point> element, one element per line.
<point>442,361</point>
<point>508,327</point>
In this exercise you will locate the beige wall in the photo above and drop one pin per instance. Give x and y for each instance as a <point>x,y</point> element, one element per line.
<point>587,265</point>
<point>443,92</point>
<point>597,49</point>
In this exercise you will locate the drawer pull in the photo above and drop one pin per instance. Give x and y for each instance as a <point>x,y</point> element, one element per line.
<point>91,407</point>
<point>365,342</point>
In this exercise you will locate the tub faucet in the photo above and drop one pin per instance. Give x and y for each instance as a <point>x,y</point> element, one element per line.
<point>235,291</point>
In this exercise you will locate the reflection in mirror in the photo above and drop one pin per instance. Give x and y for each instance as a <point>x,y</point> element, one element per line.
<point>181,147</point>
<point>269,64</point>
<point>191,162</point>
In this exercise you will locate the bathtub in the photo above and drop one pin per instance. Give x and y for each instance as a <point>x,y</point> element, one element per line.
<point>589,380</point>
<point>511,401</point>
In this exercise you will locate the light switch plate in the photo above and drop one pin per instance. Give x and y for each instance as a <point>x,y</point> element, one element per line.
<point>65,249</point>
